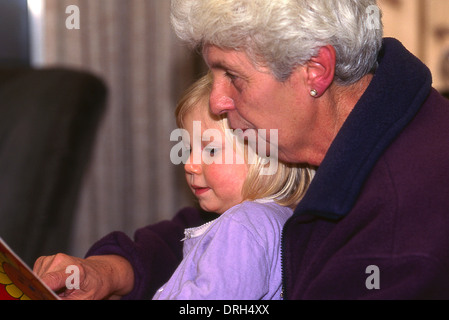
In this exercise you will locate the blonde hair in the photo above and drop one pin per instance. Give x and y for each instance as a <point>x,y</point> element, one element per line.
<point>286,186</point>
<point>285,34</point>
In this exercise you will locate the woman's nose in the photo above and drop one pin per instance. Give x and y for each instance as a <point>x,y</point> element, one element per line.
<point>219,101</point>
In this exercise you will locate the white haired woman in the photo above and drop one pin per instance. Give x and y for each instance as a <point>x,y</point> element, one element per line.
<point>373,223</point>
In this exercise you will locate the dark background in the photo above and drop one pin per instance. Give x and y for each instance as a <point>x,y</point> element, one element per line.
<point>14,33</point>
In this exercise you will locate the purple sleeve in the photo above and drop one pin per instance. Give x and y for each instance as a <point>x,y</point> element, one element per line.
<point>154,253</point>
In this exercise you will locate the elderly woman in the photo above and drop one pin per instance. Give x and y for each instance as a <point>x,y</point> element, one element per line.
<point>374,222</point>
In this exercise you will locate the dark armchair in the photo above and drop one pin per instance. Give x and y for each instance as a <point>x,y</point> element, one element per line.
<point>48,123</point>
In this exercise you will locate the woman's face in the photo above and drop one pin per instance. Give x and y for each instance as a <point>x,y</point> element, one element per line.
<point>254,99</point>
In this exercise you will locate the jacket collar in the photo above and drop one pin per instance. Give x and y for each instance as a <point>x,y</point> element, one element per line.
<point>397,91</point>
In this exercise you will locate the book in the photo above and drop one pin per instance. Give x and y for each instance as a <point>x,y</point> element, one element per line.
<point>18,281</point>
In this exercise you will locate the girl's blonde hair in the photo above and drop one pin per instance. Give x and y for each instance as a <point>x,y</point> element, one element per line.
<point>286,186</point>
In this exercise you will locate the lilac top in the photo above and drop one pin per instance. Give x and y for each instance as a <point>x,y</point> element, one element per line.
<point>236,256</point>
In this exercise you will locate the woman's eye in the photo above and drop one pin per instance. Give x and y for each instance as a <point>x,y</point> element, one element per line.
<point>230,76</point>
<point>235,80</point>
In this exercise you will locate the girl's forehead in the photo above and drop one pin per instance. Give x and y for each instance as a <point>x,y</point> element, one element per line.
<point>207,120</point>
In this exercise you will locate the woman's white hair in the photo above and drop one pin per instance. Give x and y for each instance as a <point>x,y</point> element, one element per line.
<point>283,34</point>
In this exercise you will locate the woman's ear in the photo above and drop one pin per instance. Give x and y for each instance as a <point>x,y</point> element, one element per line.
<point>321,70</point>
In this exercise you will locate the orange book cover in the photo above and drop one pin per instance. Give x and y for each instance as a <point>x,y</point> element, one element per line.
<point>18,281</point>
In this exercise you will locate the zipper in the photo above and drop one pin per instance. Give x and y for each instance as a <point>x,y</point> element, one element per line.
<point>282,250</point>
<point>283,296</point>
<point>196,231</point>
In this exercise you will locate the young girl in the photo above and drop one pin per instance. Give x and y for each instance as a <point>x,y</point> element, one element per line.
<point>237,255</point>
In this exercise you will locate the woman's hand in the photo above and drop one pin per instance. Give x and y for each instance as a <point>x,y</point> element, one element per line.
<point>100,277</point>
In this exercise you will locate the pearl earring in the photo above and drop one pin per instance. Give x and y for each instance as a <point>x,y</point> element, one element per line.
<point>313,93</point>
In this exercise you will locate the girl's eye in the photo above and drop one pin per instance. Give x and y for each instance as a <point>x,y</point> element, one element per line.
<point>186,152</point>
<point>211,152</point>
<point>187,149</point>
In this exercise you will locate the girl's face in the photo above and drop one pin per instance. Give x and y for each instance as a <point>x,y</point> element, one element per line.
<point>216,183</point>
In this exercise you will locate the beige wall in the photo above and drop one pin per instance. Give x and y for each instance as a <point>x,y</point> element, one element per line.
<point>131,181</point>
<point>423,27</point>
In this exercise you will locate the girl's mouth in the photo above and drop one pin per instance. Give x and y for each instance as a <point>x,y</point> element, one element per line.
<point>200,190</point>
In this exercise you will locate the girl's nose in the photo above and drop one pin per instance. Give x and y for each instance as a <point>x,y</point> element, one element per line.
<point>192,168</point>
